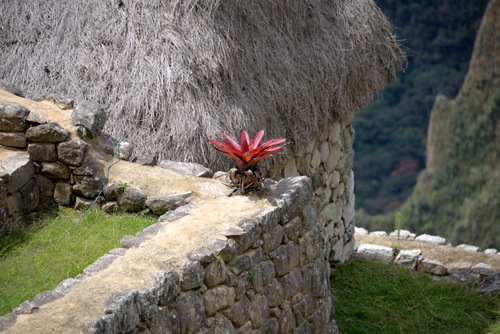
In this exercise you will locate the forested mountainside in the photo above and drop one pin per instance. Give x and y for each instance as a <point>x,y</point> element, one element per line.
<point>458,194</point>
<point>437,37</point>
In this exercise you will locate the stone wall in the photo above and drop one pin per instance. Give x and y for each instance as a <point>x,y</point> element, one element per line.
<point>328,161</point>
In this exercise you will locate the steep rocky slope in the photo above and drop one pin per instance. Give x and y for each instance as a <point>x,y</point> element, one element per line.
<point>458,194</point>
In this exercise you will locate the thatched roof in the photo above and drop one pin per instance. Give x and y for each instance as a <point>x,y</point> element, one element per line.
<point>172,73</point>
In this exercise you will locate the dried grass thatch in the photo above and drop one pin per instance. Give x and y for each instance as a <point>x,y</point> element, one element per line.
<point>172,73</point>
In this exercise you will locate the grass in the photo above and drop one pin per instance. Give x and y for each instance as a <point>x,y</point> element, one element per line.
<point>57,247</point>
<point>371,297</point>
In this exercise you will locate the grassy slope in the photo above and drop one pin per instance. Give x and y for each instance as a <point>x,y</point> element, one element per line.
<point>38,259</point>
<point>371,297</point>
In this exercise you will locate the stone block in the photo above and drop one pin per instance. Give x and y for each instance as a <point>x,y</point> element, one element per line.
<point>311,246</point>
<point>48,133</point>
<point>433,267</point>
<point>285,258</point>
<point>133,199</point>
<point>239,313</point>
<point>62,193</point>
<point>186,168</point>
<point>14,204</point>
<point>287,319</point>
<point>73,152</point>
<point>268,218</point>
<point>125,306</point>
<point>42,152</point>
<point>218,298</point>
<point>100,264</point>
<point>431,239</point>
<point>375,253</point>
<point>55,170</point>
<point>408,259</point>
<point>13,117</point>
<point>293,228</point>
<point>19,169</point>
<point>275,293</point>
<point>89,115</point>
<point>469,248</point>
<point>292,283</point>
<point>219,324</point>
<point>292,195</point>
<point>113,191</point>
<point>215,273</point>
<point>161,204</point>
<point>320,284</point>
<point>272,239</point>
<point>88,186</point>
<point>36,116</point>
<point>148,303</point>
<point>45,187</point>
<point>482,269</point>
<point>246,261</point>
<point>192,275</point>
<point>169,286</point>
<point>331,211</point>
<point>10,139</point>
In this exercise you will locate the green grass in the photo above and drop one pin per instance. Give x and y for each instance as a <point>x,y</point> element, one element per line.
<point>45,253</point>
<point>371,297</point>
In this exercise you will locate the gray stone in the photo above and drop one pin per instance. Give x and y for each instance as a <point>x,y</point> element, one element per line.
<point>433,267</point>
<point>270,327</point>
<point>403,234</point>
<point>201,255</point>
<point>88,186</point>
<point>133,199</point>
<point>381,234</point>
<point>55,170</point>
<point>89,168</point>
<point>266,272</point>
<point>293,228</point>
<point>460,276</point>
<point>285,258</point>
<point>14,203</point>
<point>219,324</point>
<point>89,115</point>
<point>11,88</point>
<point>73,152</point>
<point>218,298</point>
<point>215,273</point>
<point>292,283</point>
<point>272,239</point>
<point>246,261</point>
<point>190,310</point>
<point>101,263</point>
<point>146,160</point>
<point>101,325</point>
<point>169,286</point>
<point>110,207</point>
<point>125,306</point>
<point>287,319</point>
<point>239,313</point>
<point>274,293</point>
<point>469,248</point>
<point>192,274</point>
<point>66,285</point>
<point>320,284</point>
<point>292,195</point>
<point>408,259</point>
<point>245,240</point>
<point>16,140</point>
<point>113,191</point>
<point>360,231</point>
<point>431,239</point>
<point>36,116</point>
<point>48,132</point>
<point>19,168</point>
<point>161,204</point>
<point>331,211</point>
<point>7,321</point>
<point>13,117</point>
<point>491,251</point>
<point>130,241</point>
<point>259,311</point>
<point>31,199</point>
<point>125,150</point>
<point>186,168</point>
<point>375,253</point>
<point>62,193</point>
<point>42,152</point>
<point>482,269</point>
<point>177,213</point>
<point>82,203</point>
<point>311,246</point>
<point>490,283</point>
<point>148,303</point>
<point>26,307</point>
<point>46,297</point>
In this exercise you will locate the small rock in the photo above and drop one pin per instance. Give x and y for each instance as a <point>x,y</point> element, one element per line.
<point>491,251</point>
<point>433,267</point>
<point>403,234</point>
<point>408,259</point>
<point>482,269</point>
<point>375,253</point>
<point>36,116</point>
<point>186,168</point>
<point>360,231</point>
<point>133,199</point>
<point>379,234</point>
<point>13,117</point>
<point>490,283</point>
<point>73,152</point>
<point>469,248</point>
<point>431,239</point>
<point>26,307</point>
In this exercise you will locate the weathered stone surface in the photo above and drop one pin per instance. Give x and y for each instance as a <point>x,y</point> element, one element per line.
<point>101,325</point>
<point>332,211</point>
<point>431,239</point>
<point>89,168</point>
<point>215,273</point>
<point>146,160</point>
<point>192,274</point>
<point>272,239</point>
<point>285,258</point>
<point>178,213</point>
<point>433,267</point>
<point>130,241</point>
<point>20,169</point>
<point>46,297</point>
<point>287,319</point>
<point>246,261</point>
<point>320,271</point>
<point>101,263</point>
<point>381,234</point>
<point>161,204</point>
<point>274,293</point>
<point>62,193</point>
<point>191,311</point>
<point>310,245</point>
<point>375,253</point>
<point>186,168</point>
<point>125,306</point>
<point>469,248</point>
<point>169,286</point>
<point>491,251</point>
<point>36,116</point>
<point>89,115</point>
<point>259,311</point>
<point>42,152</point>
<point>271,326</point>
<point>292,195</point>
<point>292,283</point>
<point>408,258</point>
<point>7,321</point>
<point>82,203</point>
<point>14,203</point>
<point>133,199</point>
<point>218,298</point>
<point>148,303</point>
<point>110,207</point>
<point>360,231</point>
<point>73,152</point>
<point>113,191</point>
<point>66,285</point>
<point>239,313</point>
<point>11,88</point>
<point>490,283</point>
<point>26,307</point>
<point>293,229</point>
<point>482,269</point>
<point>48,132</point>
<point>16,140</point>
<point>88,186</point>
<point>13,117</point>
<point>55,170</point>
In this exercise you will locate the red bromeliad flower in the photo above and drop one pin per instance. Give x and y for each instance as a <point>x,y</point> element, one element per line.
<point>248,152</point>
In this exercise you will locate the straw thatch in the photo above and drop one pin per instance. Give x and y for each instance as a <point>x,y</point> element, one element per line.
<point>172,73</point>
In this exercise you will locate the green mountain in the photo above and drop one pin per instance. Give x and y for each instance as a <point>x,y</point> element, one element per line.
<point>438,37</point>
<point>458,194</point>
